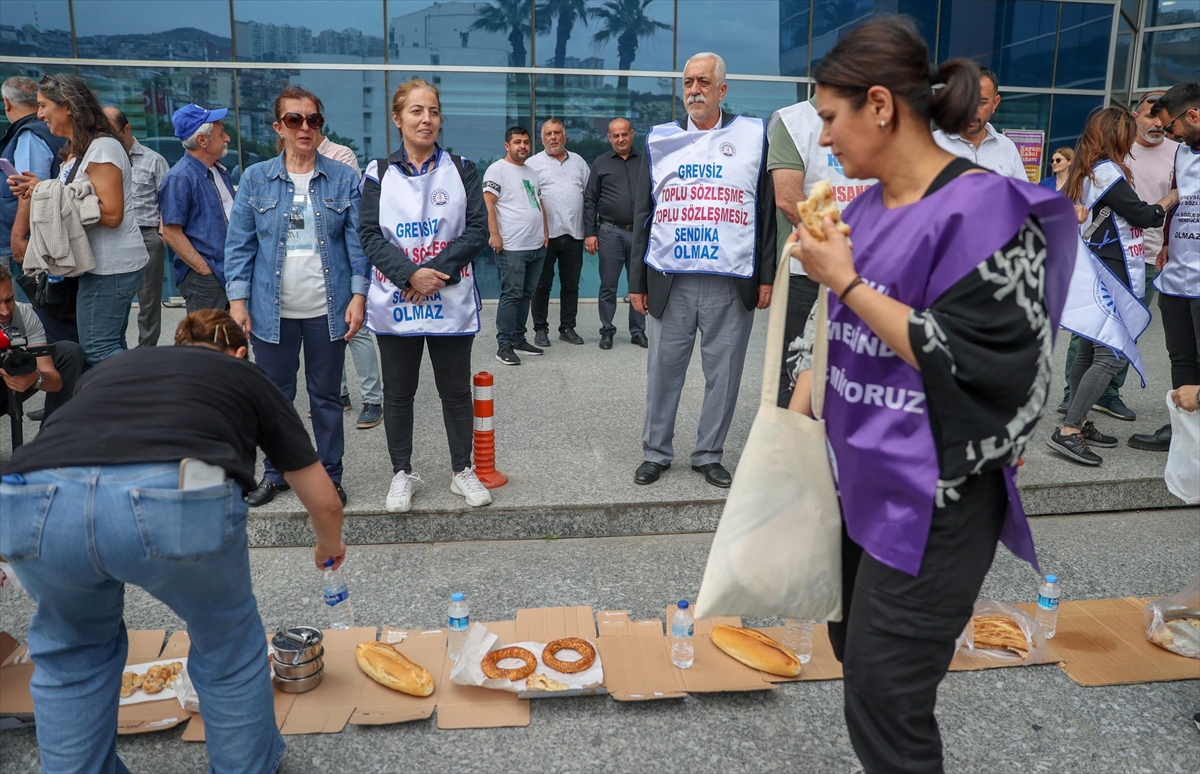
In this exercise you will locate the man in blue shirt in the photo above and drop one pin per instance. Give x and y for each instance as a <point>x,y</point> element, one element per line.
<point>195,199</point>
<point>28,146</point>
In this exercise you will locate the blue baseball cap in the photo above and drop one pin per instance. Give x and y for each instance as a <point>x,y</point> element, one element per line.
<point>188,119</point>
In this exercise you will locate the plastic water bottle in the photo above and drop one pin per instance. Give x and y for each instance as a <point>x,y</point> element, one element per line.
<point>459,621</point>
<point>797,637</point>
<point>337,597</point>
<point>682,652</point>
<point>1047,611</point>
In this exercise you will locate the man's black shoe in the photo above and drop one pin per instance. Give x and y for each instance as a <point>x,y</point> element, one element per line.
<point>570,336</point>
<point>265,492</point>
<point>506,355</point>
<point>639,340</point>
<point>523,347</point>
<point>648,472</point>
<point>715,474</point>
<point>341,492</point>
<point>541,338</point>
<point>1159,440</point>
<point>606,343</point>
<point>37,415</point>
<point>345,403</point>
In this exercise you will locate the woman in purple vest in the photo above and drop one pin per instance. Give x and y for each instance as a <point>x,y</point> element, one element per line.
<point>940,336</point>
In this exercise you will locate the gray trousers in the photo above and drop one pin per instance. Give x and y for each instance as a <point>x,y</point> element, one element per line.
<point>366,365</point>
<point>708,304</point>
<point>1093,367</point>
<point>616,244</point>
<point>149,295</point>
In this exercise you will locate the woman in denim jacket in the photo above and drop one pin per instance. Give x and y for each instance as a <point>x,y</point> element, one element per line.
<point>296,275</point>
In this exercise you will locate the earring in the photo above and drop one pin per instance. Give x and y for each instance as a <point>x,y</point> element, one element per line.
<point>882,124</point>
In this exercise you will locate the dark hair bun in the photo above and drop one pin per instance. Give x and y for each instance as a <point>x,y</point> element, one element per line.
<point>956,103</point>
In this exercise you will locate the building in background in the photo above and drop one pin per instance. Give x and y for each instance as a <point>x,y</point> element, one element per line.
<point>502,62</point>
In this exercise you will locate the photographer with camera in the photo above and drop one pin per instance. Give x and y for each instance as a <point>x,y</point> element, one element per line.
<point>27,363</point>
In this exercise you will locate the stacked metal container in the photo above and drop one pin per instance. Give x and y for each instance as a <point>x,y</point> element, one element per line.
<point>296,661</point>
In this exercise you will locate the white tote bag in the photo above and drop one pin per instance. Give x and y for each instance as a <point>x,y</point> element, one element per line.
<point>778,548</point>
<point>1183,460</point>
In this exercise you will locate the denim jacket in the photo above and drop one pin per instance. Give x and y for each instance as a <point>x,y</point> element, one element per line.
<point>256,242</point>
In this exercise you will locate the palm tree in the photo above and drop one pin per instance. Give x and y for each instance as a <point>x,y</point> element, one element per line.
<point>625,20</point>
<point>567,12</point>
<point>511,16</point>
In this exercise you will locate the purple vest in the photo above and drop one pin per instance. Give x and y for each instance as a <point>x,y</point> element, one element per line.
<point>875,415</point>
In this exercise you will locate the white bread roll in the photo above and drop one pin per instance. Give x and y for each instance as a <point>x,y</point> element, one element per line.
<point>392,669</point>
<point>756,650</point>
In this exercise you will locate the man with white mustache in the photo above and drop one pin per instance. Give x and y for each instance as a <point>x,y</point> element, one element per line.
<point>1151,160</point>
<point>703,260</point>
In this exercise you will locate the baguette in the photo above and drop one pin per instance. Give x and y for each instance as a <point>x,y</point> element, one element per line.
<point>756,650</point>
<point>818,205</point>
<point>392,669</point>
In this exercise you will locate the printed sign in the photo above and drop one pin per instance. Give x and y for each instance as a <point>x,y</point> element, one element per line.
<point>1030,143</point>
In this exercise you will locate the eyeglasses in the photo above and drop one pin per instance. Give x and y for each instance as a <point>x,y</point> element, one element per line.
<point>1058,160</point>
<point>1167,126</point>
<point>293,120</point>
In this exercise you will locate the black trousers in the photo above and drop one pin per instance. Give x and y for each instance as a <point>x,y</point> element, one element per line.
<point>1181,329</point>
<point>802,294</point>
<point>70,364</point>
<point>567,252</point>
<point>897,633</point>
<point>400,361</point>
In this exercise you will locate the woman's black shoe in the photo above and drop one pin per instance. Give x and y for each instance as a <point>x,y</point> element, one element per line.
<point>265,492</point>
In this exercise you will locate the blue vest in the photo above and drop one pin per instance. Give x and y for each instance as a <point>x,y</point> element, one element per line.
<point>8,144</point>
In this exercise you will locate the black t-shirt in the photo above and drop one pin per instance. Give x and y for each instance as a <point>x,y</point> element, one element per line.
<point>162,404</point>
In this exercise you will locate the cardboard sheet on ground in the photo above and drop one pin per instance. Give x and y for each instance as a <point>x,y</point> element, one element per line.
<point>638,667</point>
<point>1103,642</point>
<point>346,695</point>
<point>168,692</point>
<point>469,706</point>
<point>822,666</point>
<point>481,641</point>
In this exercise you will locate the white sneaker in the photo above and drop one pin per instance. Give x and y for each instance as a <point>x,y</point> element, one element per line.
<point>468,485</point>
<point>399,496</point>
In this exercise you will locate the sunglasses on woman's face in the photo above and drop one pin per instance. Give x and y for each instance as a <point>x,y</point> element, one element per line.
<point>1058,160</point>
<point>293,120</point>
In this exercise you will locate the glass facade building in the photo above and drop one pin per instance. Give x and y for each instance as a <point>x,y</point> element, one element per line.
<point>505,62</point>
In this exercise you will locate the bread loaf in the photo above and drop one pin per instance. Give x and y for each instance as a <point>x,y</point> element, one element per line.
<point>392,669</point>
<point>756,650</point>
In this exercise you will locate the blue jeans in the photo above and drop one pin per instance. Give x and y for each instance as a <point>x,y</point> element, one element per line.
<point>324,361</point>
<point>520,271</point>
<point>102,312</point>
<point>75,537</point>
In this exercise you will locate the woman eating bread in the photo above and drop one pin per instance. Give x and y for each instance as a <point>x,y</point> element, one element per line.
<point>945,314</point>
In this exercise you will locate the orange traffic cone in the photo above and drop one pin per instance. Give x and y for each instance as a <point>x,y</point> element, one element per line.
<point>485,434</point>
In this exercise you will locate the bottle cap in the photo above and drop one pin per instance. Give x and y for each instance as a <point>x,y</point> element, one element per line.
<point>1052,579</point>
<point>457,596</point>
<point>683,605</point>
<point>328,563</point>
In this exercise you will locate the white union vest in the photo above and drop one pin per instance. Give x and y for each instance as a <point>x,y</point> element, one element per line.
<point>1107,173</point>
<point>1181,275</point>
<point>421,216</point>
<point>704,186</point>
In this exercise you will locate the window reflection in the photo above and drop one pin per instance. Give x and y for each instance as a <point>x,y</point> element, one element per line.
<point>611,34</point>
<point>1022,111</point>
<point>36,28</point>
<point>309,31</point>
<point>1165,12</point>
<point>460,33</point>
<point>743,39</point>
<point>1015,38</point>
<point>1083,45</point>
<point>793,37</point>
<point>835,19</point>
<point>1170,56</point>
<point>196,31</point>
<point>1069,117</point>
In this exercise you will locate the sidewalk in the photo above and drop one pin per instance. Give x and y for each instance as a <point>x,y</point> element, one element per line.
<point>1002,720</point>
<point>568,435</point>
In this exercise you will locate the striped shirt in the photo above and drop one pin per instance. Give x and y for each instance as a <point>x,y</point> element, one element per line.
<point>149,169</point>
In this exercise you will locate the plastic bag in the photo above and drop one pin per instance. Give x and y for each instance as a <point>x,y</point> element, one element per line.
<point>1182,475</point>
<point>1035,635</point>
<point>1174,622</point>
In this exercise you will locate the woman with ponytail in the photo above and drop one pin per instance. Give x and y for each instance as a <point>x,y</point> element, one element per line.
<point>107,494</point>
<point>941,324</point>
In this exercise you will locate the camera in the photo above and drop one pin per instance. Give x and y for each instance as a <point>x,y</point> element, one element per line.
<point>17,358</point>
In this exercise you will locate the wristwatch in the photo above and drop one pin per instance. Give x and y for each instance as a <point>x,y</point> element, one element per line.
<point>40,380</point>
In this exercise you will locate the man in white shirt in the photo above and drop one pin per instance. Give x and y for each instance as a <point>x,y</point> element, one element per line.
<point>563,176</point>
<point>518,232</point>
<point>1151,160</point>
<point>980,142</point>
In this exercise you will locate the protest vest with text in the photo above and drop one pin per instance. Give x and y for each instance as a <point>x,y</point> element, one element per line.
<point>704,186</point>
<point>421,216</point>
<point>1181,275</point>
<point>1107,174</point>
<point>803,123</point>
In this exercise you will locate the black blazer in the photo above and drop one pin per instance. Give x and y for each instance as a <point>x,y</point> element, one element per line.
<point>646,279</point>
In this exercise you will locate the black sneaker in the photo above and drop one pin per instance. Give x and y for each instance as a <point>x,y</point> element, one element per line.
<point>525,348</point>
<point>1074,447</point>
<point>506,355</point>
<point>1115,408</point>
<point>1096,438</point>
<point>1159,440</point>
<point>570,336</point>
<point>541,338</point>
<point>341,492</point>
<point>36,415</point>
